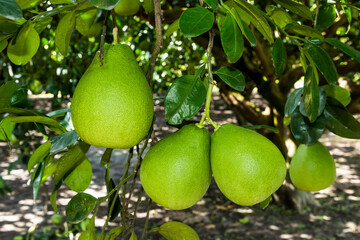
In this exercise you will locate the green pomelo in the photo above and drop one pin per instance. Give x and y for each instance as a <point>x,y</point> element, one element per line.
<point>176,171</point>
<point>312,168</point>
<point>112,105</point>
<point>247,167</point>
<point>127,7</point>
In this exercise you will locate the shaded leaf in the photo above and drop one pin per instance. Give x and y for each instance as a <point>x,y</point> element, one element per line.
<point>196,21</point>
<point>214,4</point>
<point>43,120</point>
<point>25,4</point>
<point>42,25</point>
<point>79,207</point>
<point>62,141</point>
<point>19,98</point>
<point>38,155</point>
<point>148,5</point>
<point>172,28</point>
<point>232,77</point>
<point>6,127</point>
<point>114,197</point>
<point>337,92</point>
<point>79,178</point>
<point>63,1</point>
<point>53,197</point>
<point>133,236</point>
<point>104,4</point>
<point>10,9</point>
<point>105,159</point>
<point>281,17</point>
<point>297,8</point>
<point>184,99</point>
<point>326,16</point>
<point>6,91</point>
<point>37,180</point>
<point>64,31</point>
<point>265,203</point>
<point>311,94</point>
<point>350,51</point>
<point>304,30</point>
<point>293,101</point>
<point>279,56</point>
<point>178,231</point>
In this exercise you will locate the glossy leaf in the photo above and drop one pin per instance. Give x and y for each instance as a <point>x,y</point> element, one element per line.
<point>6,127</point>
<point>79,207</point>
<point>340,121</point>
<point>79,179</point>
<point>10,9</point>
<point>58,113</point>
<point>43,120</point>
<point>70,160</point>
<point>350,51</point>
<point>37,180</point>
<point>104,4</point>
<point>231,39</point>
<point>304,131</point>
<point>178,231</point>
<point>279,56</point>
<point>62,141</point>
<point>322,103</point>
<point>196,21</point>
<point>339,93</point>
<point>50,168</point>
<point>326,17</point>
<point>323,62</point>
<point>19,98</point>
<point>293,101</point>
<point>311,96</point>
<point>184,99</point>
<point>232,77</point>
<point>38,155</point>
<point>298,8</point>
<point>22,48</point>
<point>64,31</point>
<point>6,91</point>
<point>214,4</point>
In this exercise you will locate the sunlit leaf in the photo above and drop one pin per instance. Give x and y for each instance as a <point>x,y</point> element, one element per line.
<point>178,231</point>
<point>79,178</point>
<point>339,93</point>
<point>6,127</point>
<point>39,154</point>
<point>64,31</point>
<point>62,141</point>
<point>281,17</point>
<point>25,4</point>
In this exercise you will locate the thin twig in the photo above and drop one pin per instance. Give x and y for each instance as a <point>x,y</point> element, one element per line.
<point>146,220</point>
<point>158,43</point>
<point>102,40</point>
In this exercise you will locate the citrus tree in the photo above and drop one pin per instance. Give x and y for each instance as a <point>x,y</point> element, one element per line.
<point>109,56</point>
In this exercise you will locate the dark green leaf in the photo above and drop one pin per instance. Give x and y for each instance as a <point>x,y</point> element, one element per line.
<point>79,178</point>
<point>172,28</point>
<point>43,120</point>
<point>232,77</point>
<point>114,197</point>
<point>105,159</point>
<point>323,62</point>
<point>348,11</point>
<point>79,207</point>
<point>340,121</point>
<point>184,99</point>
<point>4,187</point>
<point>297,8</point>
<point>62,141</point>
<point>304,131</point>
<point>19,98</point>
<point>279,56</point>
<point>265,203</point>
<point>311,94</point>
<point>293,101</point>
<point>148,6</point>
<point>337,92</point>
<point>63,1</point>
<point>37,180</point>
<point>41,25</point>
<point>322,103</point>
<point>231,39</point>
<point>214,4</point>
<point>25,4</point>
<point>3,44</point>
<point>326,17</point>
<point>58,113</point>
<point>10,9</point>
<point>22,48</point>
<point>104,4</point>
<point>116,231</point>
<point>64,31</point>
<point>196,21</point>
<point>6,127</point>
<point>6,91</point>
<point>38,155</point>
<point>18,111</point>
<point>350,51</point>
<point>304,30</point>
<point>177,230</point>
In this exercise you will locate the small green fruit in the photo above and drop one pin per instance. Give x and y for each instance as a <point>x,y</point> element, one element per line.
<point>112,106</point>
<point>127,7</point>
<point>312,168</point>
<point>247,167</point>
<point>176,171</point>
<point>56,219</point>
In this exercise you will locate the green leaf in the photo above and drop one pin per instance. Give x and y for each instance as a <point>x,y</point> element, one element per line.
<point>10,9</point>
<point>104,4</point>
<point>148,6</point>
<point>3,187</point>
<point>340,121</point>
<point>3,44</point>
<point>249,35</point>
<point>88,235</point>
<point>279,56</point>
<point>62,1</point>
<point>248,11</point>
<point>178,231</point>
<point>18,111</point>
<point>311,94</point>
<point>350,51</point>
<point>304,30</point>
<point>39,154</point>
<point>62,141</point>
<point>79,207</point>
<point>339,93</point>
<point>172,28</point>
<point>196,21</point>
<point>37,180</point>
<point>265,203</point>
<point>281,17</point>
<point>232,77</point>
<point>231,39</point>
<point>214,4</point>
<point>70,160</point>
<point>43,120</point>
<point>323,62</point>
<point>6,127</point>
<point>297,8</point>
<point>58,113</point>
<point>114,197</point>
<point>42,25</point>
<point>53,197</point>
<point>50,168</point>
<point>116,231</point>
<point>19,98</point>
<point>23,47</point>
<point>105,159</point>
<point>6,91</point>
<point>64,31</point>
<point>86,25</point>
<point>184,99</point>
<point>304,131</point>
<point>79,179</point>
<point>326,17</point>
<point>25,4</point>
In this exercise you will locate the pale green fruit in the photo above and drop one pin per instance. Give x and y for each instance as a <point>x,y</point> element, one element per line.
<point>176,171</point>
<point>247,167</point>
<point>112,105</point>
<point>312,168</point>
<point>127,7</point>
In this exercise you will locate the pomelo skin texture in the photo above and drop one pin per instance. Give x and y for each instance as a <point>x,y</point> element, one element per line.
<point>247,167</point>
<point>312,168</point>
<point>127,7</point>
<point>176,171</point>
<point>112,106</point>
